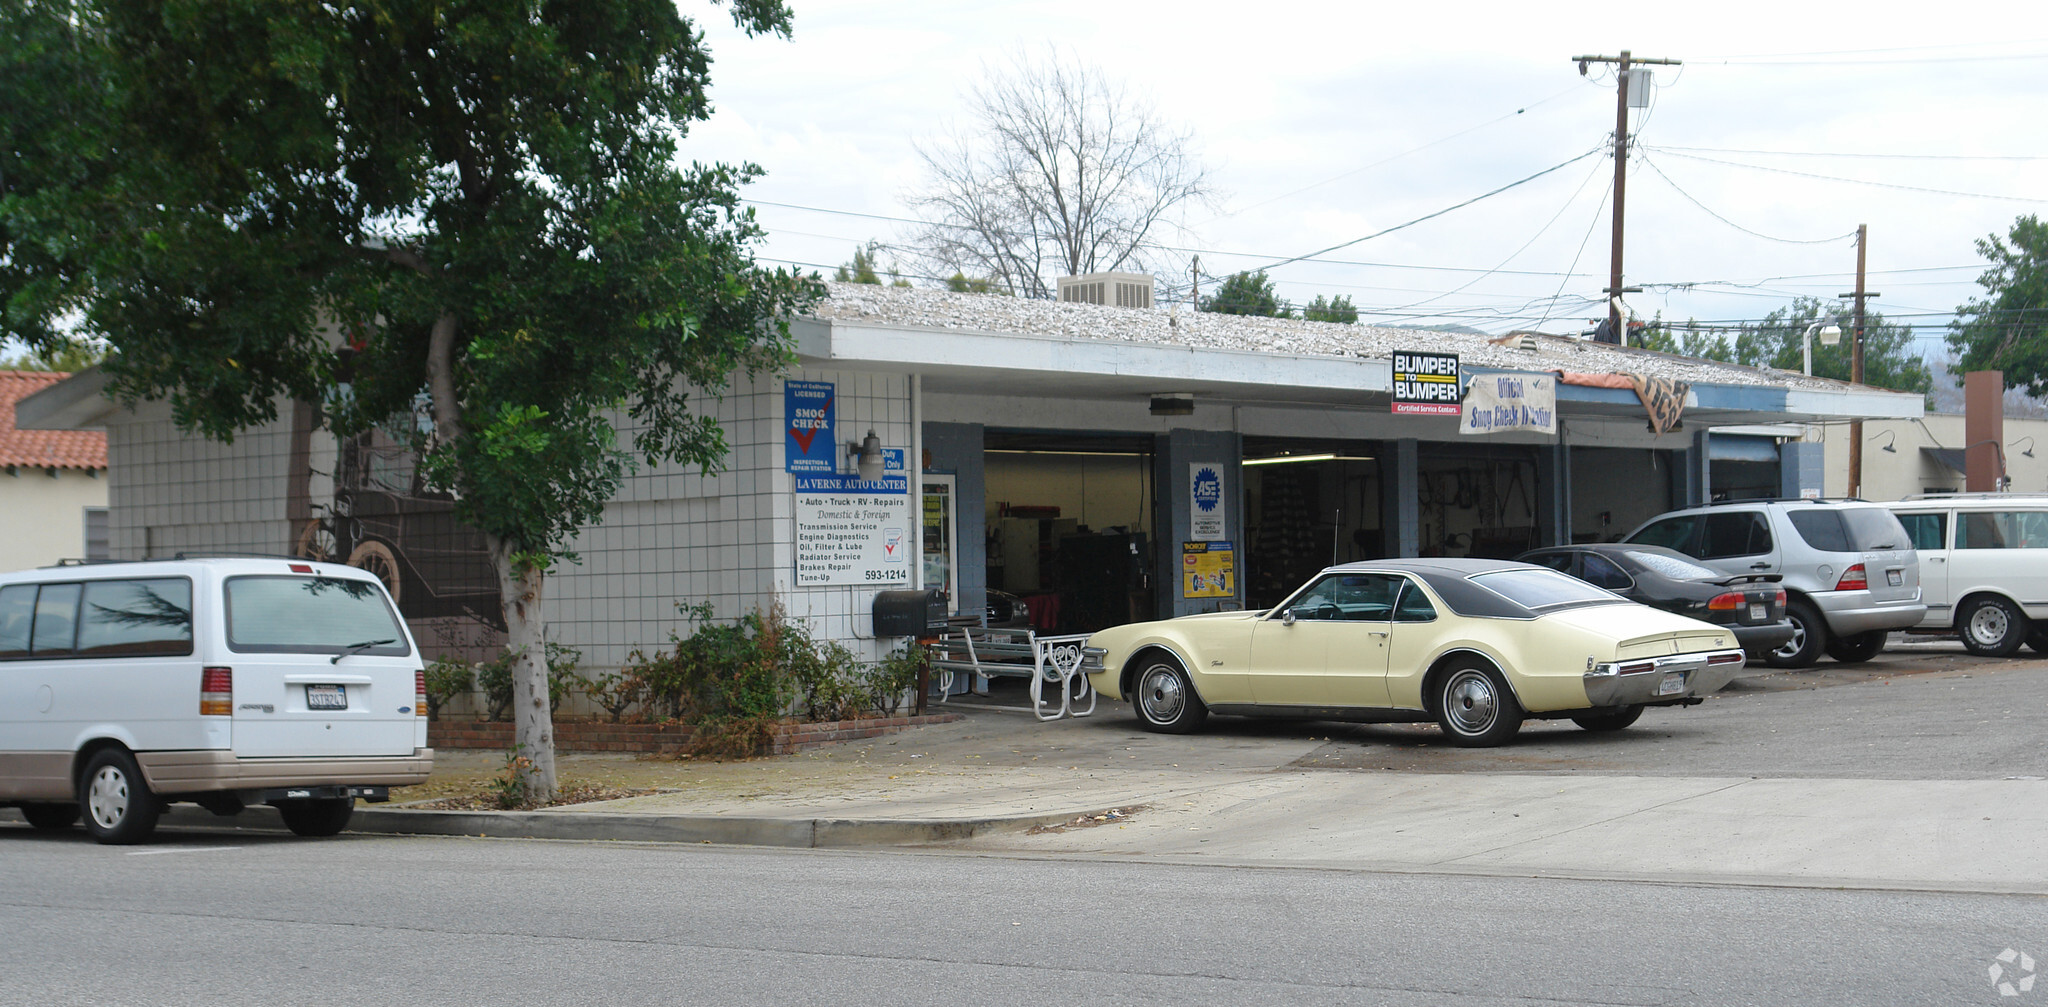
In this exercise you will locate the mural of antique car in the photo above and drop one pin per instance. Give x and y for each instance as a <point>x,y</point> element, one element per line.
<point>381,517</point>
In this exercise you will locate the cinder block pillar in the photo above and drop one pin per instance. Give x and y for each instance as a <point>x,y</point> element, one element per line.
<point>1802,469</point>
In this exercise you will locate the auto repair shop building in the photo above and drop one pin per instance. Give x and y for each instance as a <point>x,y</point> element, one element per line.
<point>1097,464</point>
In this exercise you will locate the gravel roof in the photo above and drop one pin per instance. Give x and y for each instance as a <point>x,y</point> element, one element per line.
<point>992,313</point>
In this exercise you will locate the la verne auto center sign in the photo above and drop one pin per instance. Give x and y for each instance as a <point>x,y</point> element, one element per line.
<point>849,530</point>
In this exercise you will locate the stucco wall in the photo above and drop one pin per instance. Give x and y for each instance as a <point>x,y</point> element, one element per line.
<point>45,515</point>
<point>1906,469</point>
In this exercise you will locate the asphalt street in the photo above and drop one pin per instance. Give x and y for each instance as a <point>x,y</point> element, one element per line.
<point>199,920</point>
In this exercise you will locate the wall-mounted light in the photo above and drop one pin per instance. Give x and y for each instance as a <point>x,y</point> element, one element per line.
<point>867,456</point>
<point>1887,446</point>
<point>2029,449</point>
<point>1321,457</point>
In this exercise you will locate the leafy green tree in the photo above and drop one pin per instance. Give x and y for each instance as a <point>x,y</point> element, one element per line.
<point>961,283</point>
<point>66,356</point>
<point>1247,294</point>
<point>482,200</point>
<point>1324,309</point>
<point>1889,359</point>
<point>862,268</point>
<point>2007,328</point>
<point>1689,341</point>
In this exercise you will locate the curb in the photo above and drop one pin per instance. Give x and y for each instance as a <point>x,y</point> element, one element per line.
<point>801,833</point>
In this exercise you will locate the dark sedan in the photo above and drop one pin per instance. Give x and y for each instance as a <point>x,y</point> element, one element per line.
<point>1753,606</point>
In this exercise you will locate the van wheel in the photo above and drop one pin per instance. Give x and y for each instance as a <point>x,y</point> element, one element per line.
<point>322,816</point>
<point>1859,647</point>
<point>1475,707</point>
<point>2037,640</point>
<point>1992,627</point>
<point>119,808</point>
<point>1809,637</point>
<point>50,817</point>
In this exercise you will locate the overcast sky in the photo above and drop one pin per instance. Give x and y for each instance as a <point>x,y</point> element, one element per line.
<point>1327,122</point>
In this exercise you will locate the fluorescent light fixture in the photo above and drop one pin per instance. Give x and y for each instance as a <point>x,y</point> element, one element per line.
<point>1087,454</point>
<point>1283,459</point>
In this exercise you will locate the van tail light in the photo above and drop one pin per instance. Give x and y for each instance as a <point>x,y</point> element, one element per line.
<point>419,691</point>
<point>217,692</point>
<point>1853,579</point>
<point>1782,599</point>
<point>1726,602</point>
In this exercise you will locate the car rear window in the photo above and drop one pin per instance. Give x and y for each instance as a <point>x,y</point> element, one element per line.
<point>1873,529</point>
<point>1822,530</point>
<point>310,615</point>
<point>1539,588</point>
<point>1673,567</point>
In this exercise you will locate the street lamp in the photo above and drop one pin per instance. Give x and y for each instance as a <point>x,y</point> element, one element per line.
<point>1830,334</point>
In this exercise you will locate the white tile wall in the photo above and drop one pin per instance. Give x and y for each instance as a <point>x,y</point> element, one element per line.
<point>671,536</point>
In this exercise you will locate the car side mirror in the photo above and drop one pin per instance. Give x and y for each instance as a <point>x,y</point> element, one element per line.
<point>1287,618</point>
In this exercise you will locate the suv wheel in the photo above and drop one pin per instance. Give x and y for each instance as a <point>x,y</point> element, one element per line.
<point>1809,637</point>
<point>1992,627</point>
<point>1857,647</point>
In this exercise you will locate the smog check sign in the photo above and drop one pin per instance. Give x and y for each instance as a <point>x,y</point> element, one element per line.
<point>1426,383</point>
<point>808,441</point>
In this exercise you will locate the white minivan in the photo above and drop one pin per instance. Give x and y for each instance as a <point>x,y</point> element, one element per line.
<point>222,681</point>
<point>1983,567</point>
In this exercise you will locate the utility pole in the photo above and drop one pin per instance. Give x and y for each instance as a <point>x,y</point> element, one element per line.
<point>1856,358</point>
<point>1195,284</point>
<point>1621,105</point>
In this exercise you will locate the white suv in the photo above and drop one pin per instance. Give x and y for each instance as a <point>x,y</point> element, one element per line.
<point>226,682</point>
<point>1850,573</point>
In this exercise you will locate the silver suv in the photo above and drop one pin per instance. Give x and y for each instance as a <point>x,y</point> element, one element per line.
<point>1851,575</point>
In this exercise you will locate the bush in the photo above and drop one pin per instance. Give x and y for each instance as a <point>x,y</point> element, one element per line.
<point>733,681</point>
<point>447,678</point>
<point>495,678</point>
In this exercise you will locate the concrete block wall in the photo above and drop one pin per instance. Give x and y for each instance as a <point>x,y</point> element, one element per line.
<point>169,491</point>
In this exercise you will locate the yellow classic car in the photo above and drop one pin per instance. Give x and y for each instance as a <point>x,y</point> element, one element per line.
<point>1476,645</point>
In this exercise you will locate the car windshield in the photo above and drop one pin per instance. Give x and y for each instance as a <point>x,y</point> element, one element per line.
<point>1674,567</point>
<point>1539,588</point>
<point>311,615</point>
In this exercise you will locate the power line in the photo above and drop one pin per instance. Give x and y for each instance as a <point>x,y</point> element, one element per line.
<point>1855,181</point>
<point>1861,154</point>
<point>1432,216</point>
<point>1652,165</point>
<point>1396,157</point>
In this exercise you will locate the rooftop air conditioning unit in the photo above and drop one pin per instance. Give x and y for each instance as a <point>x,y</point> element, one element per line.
<point>1125,290</point>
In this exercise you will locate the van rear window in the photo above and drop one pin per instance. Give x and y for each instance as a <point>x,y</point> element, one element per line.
<point>311,615</point>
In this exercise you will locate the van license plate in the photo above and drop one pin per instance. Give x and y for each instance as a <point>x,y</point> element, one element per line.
<point>327,697</point>
<point>1673,684</point>
<point>1895,577</point>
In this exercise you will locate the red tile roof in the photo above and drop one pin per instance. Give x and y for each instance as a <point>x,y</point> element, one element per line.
<point>44,449</point>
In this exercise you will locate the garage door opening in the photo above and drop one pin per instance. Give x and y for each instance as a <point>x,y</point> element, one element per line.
<point>1308,504</point>
<point>1069,528</point>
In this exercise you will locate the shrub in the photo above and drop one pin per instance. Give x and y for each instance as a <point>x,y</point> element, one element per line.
<point>446,679</point>
<point>495,678</point>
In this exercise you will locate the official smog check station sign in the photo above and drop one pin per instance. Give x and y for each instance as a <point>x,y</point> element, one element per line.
<point>1426,383</point>
<point>1510,403</point>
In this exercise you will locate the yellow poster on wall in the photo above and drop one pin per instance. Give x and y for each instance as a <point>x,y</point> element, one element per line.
<point>1208,570</point>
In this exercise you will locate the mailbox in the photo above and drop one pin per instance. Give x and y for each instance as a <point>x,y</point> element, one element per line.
<point>910,613</point>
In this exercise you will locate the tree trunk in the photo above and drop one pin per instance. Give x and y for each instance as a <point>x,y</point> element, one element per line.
<point>519,590</point>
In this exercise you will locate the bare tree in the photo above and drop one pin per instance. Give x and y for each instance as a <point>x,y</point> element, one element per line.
<point>1063,172</point>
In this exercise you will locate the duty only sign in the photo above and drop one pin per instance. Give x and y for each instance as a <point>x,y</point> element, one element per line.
<point>1510,403</point>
